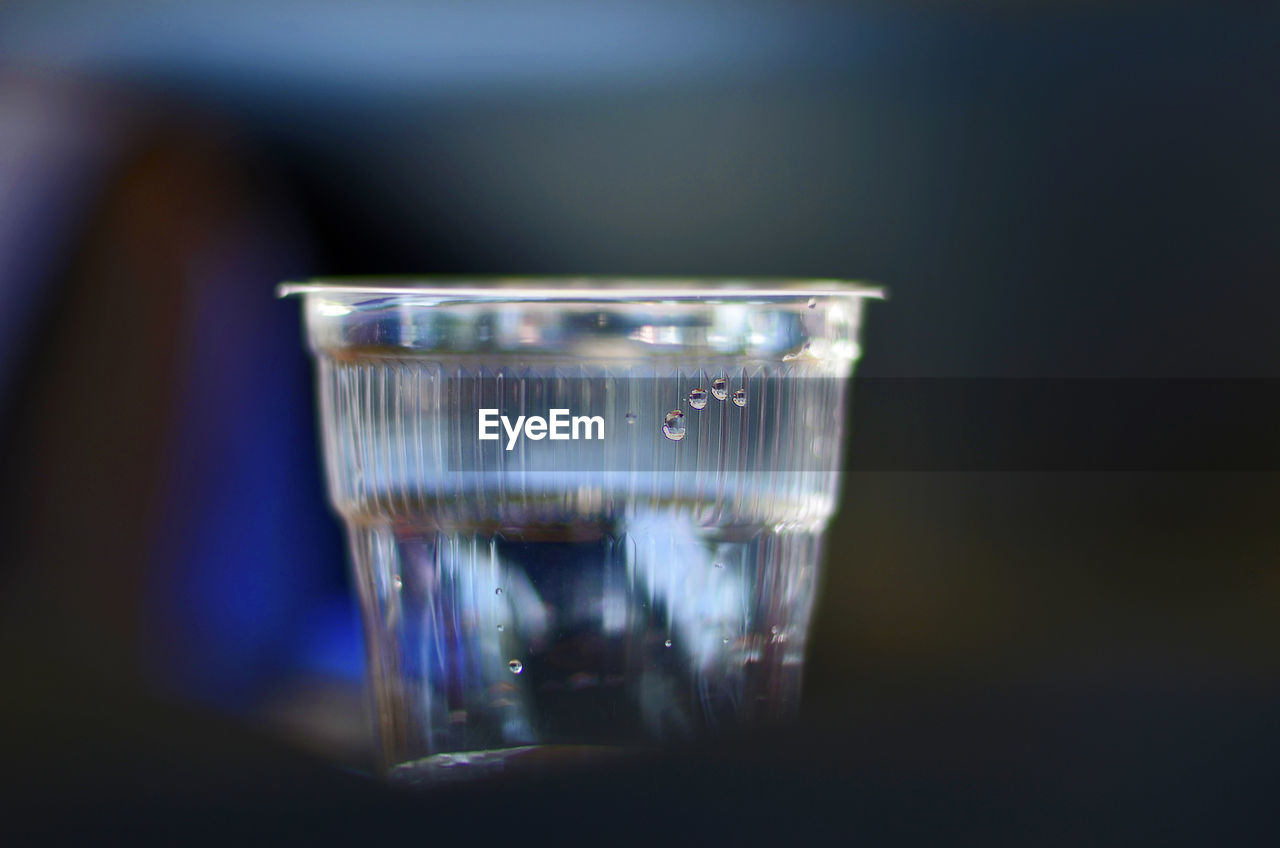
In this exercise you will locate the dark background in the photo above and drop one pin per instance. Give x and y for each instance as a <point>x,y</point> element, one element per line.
<point>1021,633</point>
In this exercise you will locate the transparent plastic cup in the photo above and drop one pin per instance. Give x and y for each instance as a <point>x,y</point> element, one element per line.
<point>584,515</point>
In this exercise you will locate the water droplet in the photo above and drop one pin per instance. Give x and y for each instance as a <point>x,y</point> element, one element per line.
<point>673,425</point>
<point>698,398</point>
<point>497,591</point>
<point>501,628</point>
<point>720,388</point>
<point>667,643</point>
<point>631,418</point>
<point>740,397</point>
<point>813,301</point>
<point>516,666</point>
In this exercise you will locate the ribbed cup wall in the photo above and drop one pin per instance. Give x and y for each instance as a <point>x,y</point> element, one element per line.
<point>649,589</point>
<point>401,442</point>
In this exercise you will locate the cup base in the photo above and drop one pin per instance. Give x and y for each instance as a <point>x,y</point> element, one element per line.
<point>464,766</point>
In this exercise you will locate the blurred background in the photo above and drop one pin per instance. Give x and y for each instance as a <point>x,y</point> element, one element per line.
<point>1049,190</point>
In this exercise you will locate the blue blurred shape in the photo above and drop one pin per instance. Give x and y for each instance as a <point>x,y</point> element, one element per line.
<point>247,590</point>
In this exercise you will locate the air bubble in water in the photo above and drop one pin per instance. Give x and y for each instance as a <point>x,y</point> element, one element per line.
<point>397,582</point>
<point>631,418</point>
<point>501,628</point>
<point>497,591</point>
<point>718,564</point>
<point>740,397</point>
<point>667,643</point>
<point>516,666</point>
<point>813,302</point>
<point>673,425</point>
<point>720,388</point>
<point>698,398</point>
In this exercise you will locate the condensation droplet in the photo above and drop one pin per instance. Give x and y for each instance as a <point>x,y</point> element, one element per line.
<point>673,425</point>
<point>698,398</point>
<point>667,643</point>
<point>516,666</point>
<point>813,302</point>
<point>720,388</point>
<point>631,418</point>
<point>497,591</point>
<point>740,397</point>
<point>501,628</point>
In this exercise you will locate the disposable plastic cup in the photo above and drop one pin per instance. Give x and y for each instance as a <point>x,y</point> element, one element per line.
<point>584,515</point>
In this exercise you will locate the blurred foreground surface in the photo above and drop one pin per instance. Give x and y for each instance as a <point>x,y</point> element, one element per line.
<point>1046,766</point>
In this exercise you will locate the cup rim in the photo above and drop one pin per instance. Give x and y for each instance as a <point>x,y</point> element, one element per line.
<point>588,288</point>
